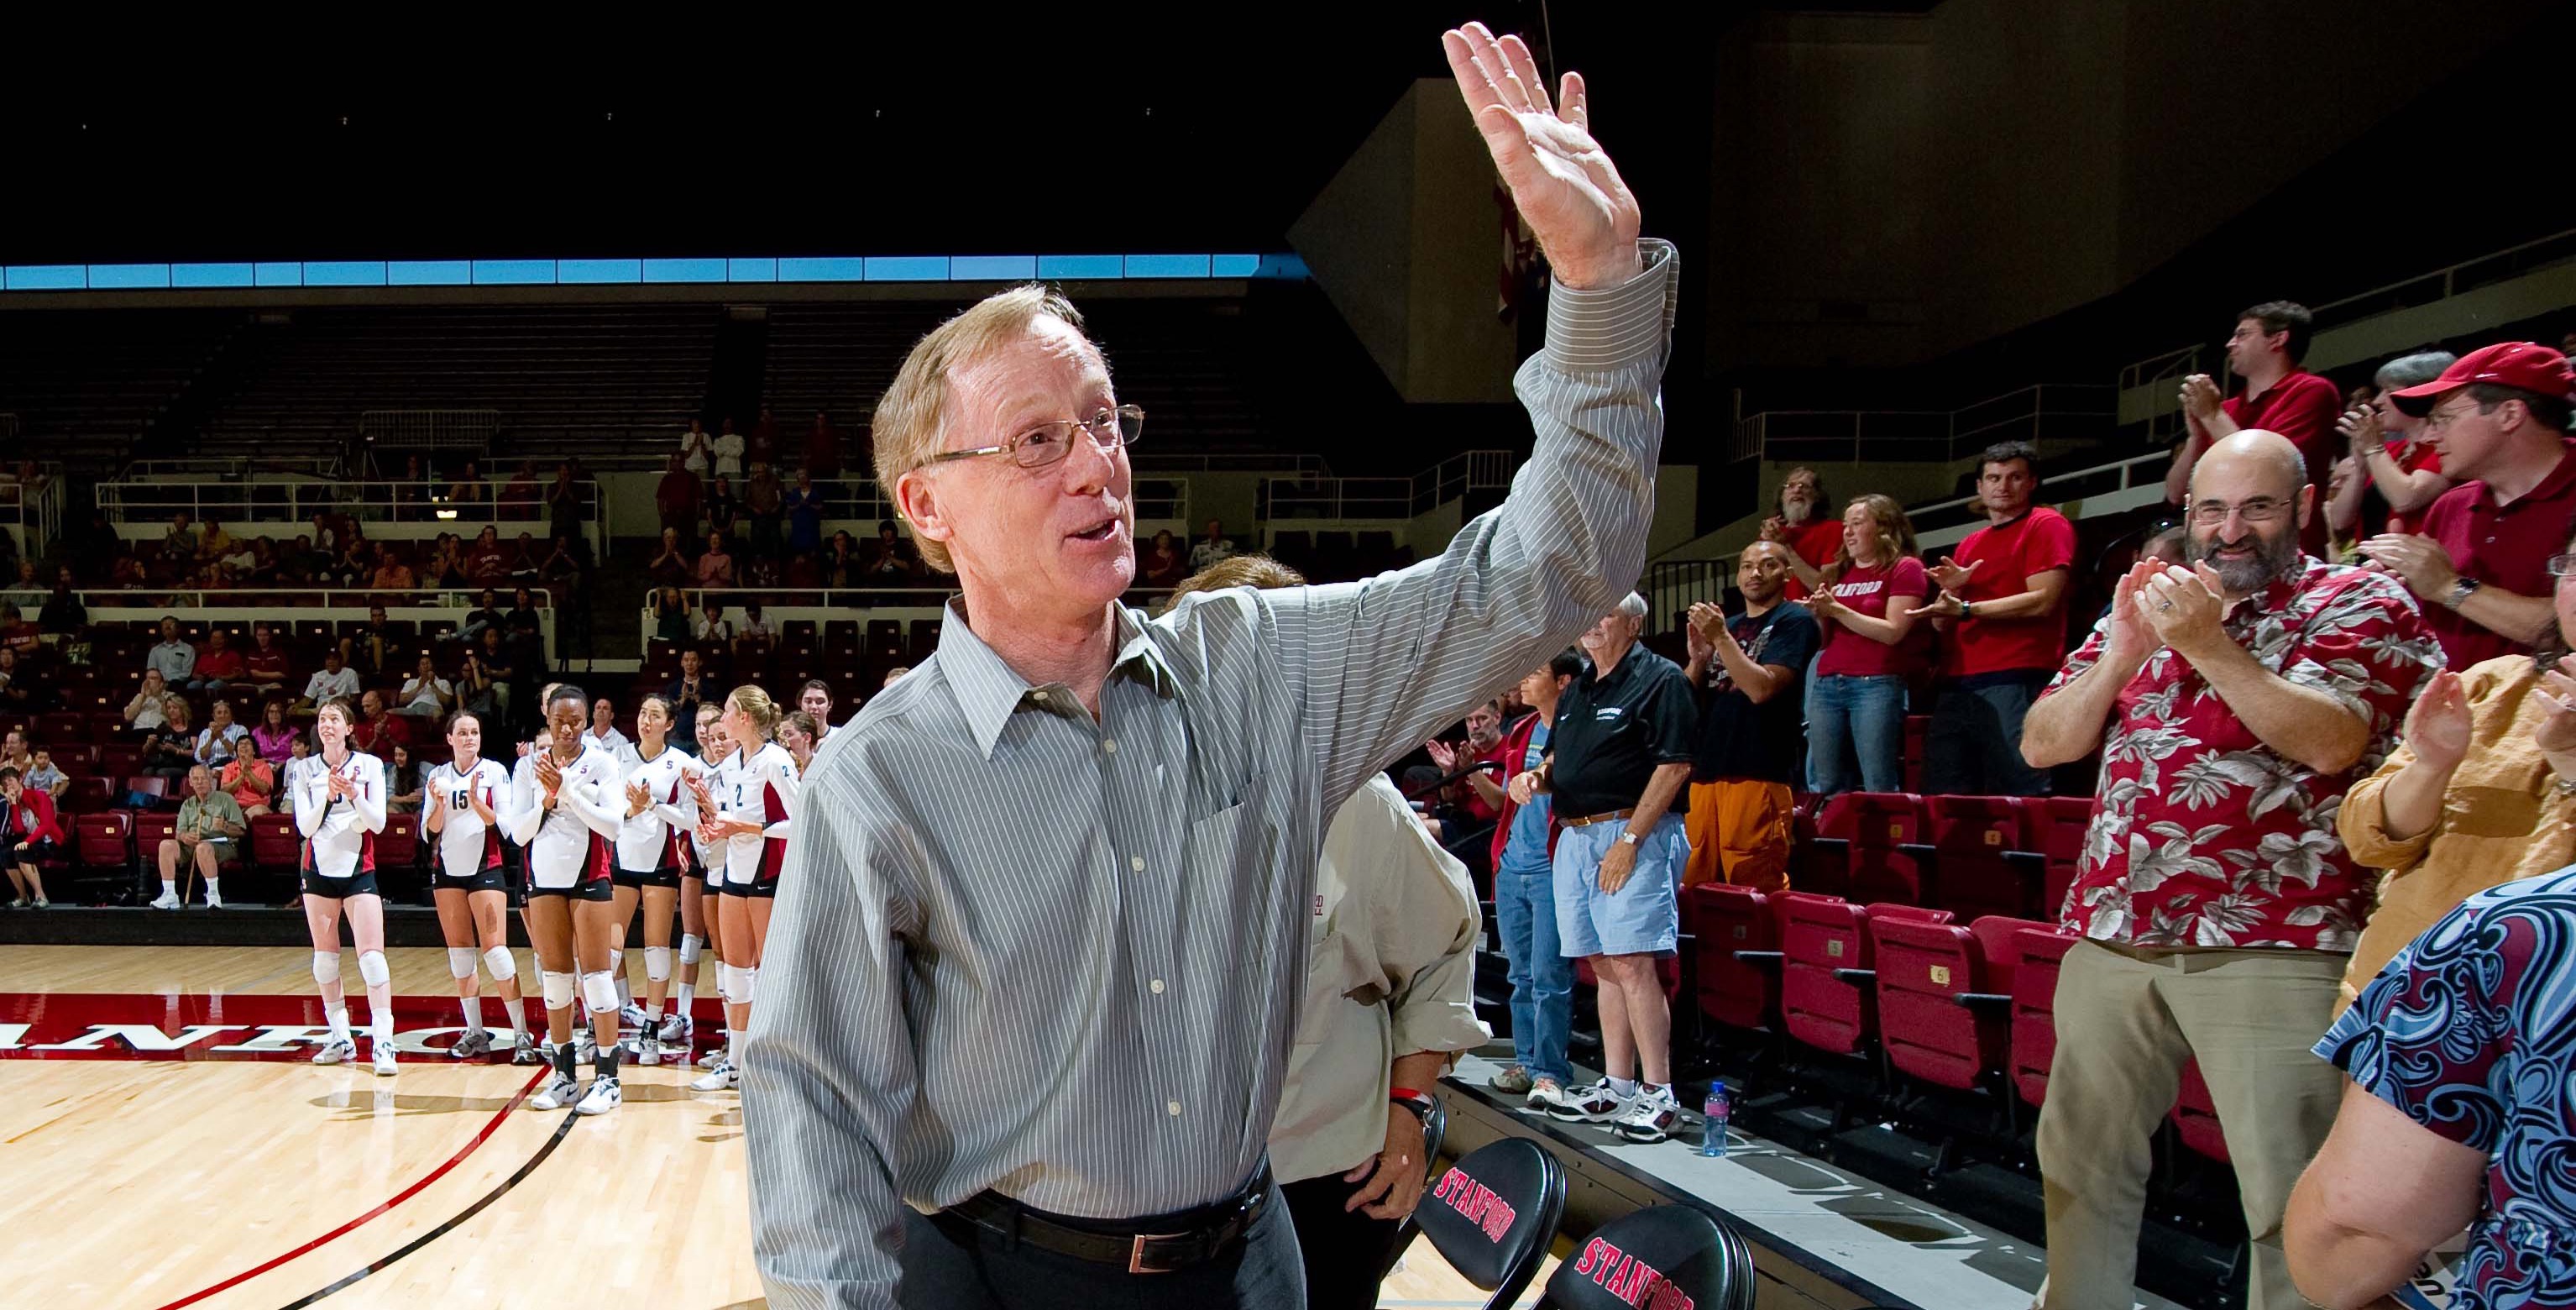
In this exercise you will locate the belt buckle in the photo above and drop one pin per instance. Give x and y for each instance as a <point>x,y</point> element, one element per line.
<point>1136,1253</point>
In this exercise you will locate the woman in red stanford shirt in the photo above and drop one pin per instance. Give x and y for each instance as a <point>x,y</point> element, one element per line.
<point>30,834</point>
<point>1872,651</point>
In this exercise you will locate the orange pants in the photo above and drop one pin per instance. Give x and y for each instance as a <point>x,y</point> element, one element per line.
<point>1739,833</point>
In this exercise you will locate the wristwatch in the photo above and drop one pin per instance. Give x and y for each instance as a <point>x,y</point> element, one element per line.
<point>1631,839</point>
<point>2461,590</point>
<point>1967,609</point>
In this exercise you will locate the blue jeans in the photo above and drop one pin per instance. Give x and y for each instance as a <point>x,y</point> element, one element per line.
<point>1542,978</point>
<point>1856,734</point>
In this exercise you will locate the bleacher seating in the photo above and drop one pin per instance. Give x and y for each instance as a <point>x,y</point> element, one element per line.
<point>92,381</point>
<point>587,380</point>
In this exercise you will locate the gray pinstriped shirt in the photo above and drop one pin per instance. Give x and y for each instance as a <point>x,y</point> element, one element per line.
<point>1018,949</point>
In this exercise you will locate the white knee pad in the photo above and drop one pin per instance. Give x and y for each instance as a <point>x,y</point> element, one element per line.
<point>460,962</point>
<point>559,987</point>
<point>371,966</point>
<point>689,944</point>
<point>600,989</point>
<point>739,986</point>
<point>657,963</point>
<point>326,967</point>
<point>497,962</point>
<point>729,984</point>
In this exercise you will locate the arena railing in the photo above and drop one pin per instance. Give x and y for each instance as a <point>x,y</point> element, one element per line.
<point>234,467</point>
<point>1322,496</point>
<point>430,429</point>
<point>824,604</point>
<point>36,512</point>
<point>2406,293</point>
<point>299,604</point>
<point>2049,411</point>
<point>409,511</point>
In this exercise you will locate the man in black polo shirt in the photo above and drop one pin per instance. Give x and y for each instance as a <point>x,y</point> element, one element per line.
<point>1747,670</point>
<point>1622,750</point>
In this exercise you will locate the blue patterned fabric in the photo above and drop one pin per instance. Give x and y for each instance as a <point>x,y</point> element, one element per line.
<point>2471,1031</point>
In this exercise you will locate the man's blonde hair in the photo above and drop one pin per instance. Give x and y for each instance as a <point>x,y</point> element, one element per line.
<point>914,411</point>
<point>1259,572</point>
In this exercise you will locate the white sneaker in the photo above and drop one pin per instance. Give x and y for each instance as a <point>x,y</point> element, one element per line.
<point>1545,1094</point>
<point>722,1078</point>
<point>1651,1117</point>
<point>214,902</point>
<point>165,901</point>
<point>631,1017</point>
<point>602,1097</point>
<point>523,1050</point>
<point>585,1048</point>
<point>1591,1103</point>
<point>560,1092</point>
<point>649,1050</point>
<point>677,1028</point>
<point>336,1051</point>
<point>384,1059</point>
<point>713,1059</point>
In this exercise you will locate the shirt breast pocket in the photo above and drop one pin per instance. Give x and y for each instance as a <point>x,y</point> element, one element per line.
<point>1217,840</point>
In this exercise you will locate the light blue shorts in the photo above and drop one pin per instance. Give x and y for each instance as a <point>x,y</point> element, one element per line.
<point>1643,918</point>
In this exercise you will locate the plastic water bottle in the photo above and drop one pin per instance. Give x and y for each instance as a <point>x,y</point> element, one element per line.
<point>1713,1114</point>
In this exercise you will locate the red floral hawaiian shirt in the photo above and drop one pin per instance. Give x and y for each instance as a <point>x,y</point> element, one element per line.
<point>2204,836</point>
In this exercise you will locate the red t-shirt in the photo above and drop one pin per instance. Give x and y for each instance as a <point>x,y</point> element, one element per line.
<point>2423,456</point>
<point>2012,554</point>
<point>1869,592</point>
<point>271,665</point>
<point>2302,407</point>
<point>2502,546</point>
<point>1817,542</point>
<point>225,664</point>
<point>380,736</point>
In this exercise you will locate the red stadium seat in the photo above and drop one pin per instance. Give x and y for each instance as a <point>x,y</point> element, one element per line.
<point>150,830</point>
<point>1985,860</point>
<point>1737,990</point>
<point>398,846</point>
<point>104,840</point>
<point>1918,734</point>
<point>1826,987</point>
<point>1943,999</point>
<point>1874,838</point>
<point>2034,1008</point>
<point>149,785</point>
<point>2061,823</point>
<point>2197,1116</point>
<point>274,843</point>
<point>89,795</point>
<point>59,728</point>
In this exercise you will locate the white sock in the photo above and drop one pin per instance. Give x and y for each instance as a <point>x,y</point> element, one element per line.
<point>339,1017</point>
<point>518,1020</point>
<point>684,996</point>
<point>473,1007</point>
<point>652,1012</point>
<point>170,887</point>
<point>625,993</point>
<point>733,1046</point>
<point>213,897</point>
<point>380,1026</point>
<point>1625,1087</point>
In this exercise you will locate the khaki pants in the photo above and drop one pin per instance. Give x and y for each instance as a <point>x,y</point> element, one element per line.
<point>1739,833</point>
<point>2127,1021</point>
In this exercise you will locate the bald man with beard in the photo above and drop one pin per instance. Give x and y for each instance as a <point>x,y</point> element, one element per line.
<point>2244,691</point>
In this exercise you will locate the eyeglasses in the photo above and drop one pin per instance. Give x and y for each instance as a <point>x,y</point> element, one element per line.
<point>2443,418</point>
<point>2563,566</point>
<point>2261,509</point>
<point>1049,443</point>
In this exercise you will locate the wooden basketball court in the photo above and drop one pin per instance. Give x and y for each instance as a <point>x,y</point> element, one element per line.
<point>167,1143</point>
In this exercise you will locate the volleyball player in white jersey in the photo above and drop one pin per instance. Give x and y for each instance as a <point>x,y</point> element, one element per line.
<point>700,913</point>
<point>340,807</point>
<point>652,849</point>
<point>467,804</point>
<point>568,819</point>
<point>755,794</point>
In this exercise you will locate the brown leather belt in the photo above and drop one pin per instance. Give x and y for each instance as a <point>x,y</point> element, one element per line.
<point>1205,1233</point>
<point>1590,819</point>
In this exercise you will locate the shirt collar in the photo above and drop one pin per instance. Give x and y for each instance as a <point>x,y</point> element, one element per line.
<point>2550,488</point>
<point>988,692</point>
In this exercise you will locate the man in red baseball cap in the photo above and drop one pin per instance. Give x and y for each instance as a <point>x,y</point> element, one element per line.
<point>2499,418</point>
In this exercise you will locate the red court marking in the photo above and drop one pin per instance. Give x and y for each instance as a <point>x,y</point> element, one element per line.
<point>396,1199</point>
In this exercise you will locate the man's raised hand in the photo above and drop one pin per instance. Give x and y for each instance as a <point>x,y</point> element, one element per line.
<point>1562,182</point>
